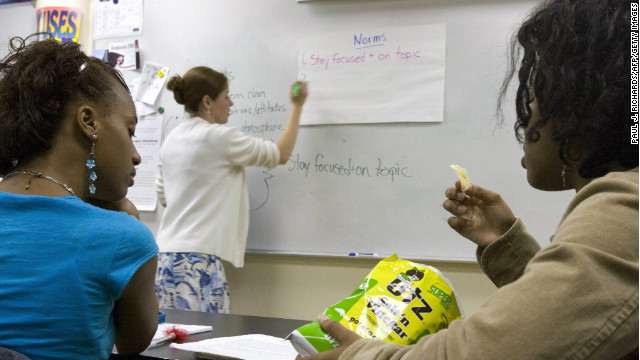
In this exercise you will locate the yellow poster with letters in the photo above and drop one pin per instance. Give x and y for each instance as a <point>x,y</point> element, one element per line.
<point>63,23</point>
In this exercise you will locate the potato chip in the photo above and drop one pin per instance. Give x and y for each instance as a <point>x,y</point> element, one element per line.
<point>465,183</point>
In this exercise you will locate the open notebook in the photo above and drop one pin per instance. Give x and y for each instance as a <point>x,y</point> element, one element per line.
<point>247,347</point>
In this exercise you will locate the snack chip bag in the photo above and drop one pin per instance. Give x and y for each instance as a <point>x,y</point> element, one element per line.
<point>399,302</point>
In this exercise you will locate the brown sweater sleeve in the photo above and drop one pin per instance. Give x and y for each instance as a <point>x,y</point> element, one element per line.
<point>504,261</point>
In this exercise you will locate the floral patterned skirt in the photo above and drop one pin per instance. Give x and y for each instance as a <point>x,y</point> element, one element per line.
<point>192,281</point>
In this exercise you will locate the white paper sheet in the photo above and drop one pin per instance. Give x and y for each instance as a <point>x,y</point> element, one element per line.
<point>248,347</point>
<point>374,76</point>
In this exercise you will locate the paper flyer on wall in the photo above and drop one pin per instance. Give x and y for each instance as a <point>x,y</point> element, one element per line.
<point>151,82</point>
<point>124,56</point>
<point>147,142</point>
<point>117,18</point>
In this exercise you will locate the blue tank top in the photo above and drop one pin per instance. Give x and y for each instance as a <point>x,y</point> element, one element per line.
<point>63,264</point>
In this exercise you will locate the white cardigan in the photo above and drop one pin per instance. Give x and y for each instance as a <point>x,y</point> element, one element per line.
<point>201,179</point>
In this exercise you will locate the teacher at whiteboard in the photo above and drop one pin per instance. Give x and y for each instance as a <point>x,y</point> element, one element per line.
<point>201,182</point>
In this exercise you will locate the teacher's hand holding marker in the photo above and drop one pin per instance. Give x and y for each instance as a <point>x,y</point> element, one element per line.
<point>299,93</point>
<point>295,91</point>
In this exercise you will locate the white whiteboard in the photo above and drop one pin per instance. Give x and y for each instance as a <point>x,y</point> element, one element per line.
<point>321,208</point>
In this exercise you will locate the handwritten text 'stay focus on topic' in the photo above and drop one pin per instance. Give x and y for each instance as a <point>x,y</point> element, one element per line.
<point>364,51</point>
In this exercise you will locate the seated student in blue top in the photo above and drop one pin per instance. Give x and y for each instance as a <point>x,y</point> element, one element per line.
<point>76,278</point>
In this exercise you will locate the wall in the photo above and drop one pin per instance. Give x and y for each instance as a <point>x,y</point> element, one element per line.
<point>15,20</point>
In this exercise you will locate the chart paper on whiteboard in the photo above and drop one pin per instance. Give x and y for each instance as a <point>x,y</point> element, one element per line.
<point>374,76</point>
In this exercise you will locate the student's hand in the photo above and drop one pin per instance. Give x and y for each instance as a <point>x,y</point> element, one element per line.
<point>479,215</point>
<point>344,336</point>
<point>299,97</point>
<point>124,205</point>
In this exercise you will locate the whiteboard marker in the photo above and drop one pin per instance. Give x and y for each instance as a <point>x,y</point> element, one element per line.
<point>296,88</point>
<point>362,254</point>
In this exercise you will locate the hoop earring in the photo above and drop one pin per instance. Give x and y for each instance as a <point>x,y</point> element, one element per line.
<point>91,165</point>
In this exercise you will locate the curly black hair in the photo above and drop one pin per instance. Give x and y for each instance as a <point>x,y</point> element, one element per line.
<point>38,79</point>
<point>579,51</point>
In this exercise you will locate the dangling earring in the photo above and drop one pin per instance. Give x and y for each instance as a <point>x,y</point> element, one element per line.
<point>564,174</point>
<point>91,164</point>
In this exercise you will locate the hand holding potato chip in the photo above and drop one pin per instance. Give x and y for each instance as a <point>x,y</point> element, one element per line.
<point>465,183</point>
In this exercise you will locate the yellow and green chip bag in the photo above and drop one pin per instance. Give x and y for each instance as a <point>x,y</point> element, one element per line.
<point>399,302</point>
